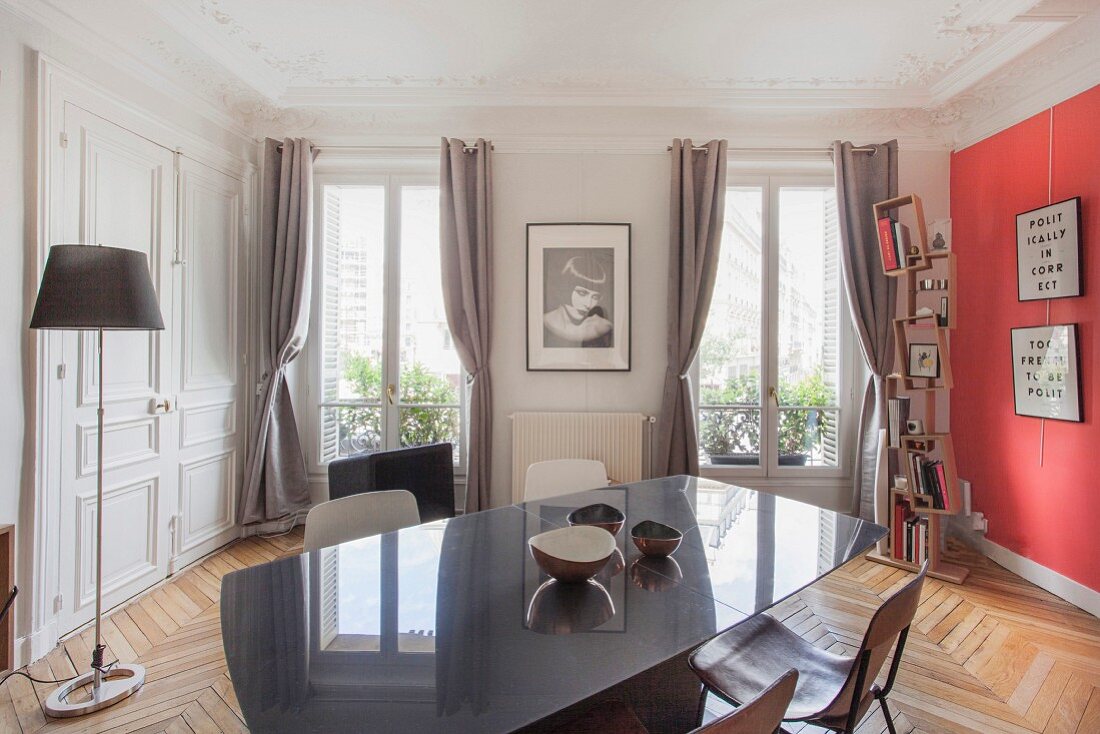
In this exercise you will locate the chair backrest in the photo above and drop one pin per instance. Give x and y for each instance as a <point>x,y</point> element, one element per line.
<point>562,476</point>
<point>359,516</point>
<point>889,624</point>
<point>761,715</point>
<point>426,471</point>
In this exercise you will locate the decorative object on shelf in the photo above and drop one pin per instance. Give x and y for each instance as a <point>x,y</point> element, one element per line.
<point>924,311</point>
<point>914,427</point>
<point>944,318</point>
<point>572,554</point>
<point>598,516</point>
<point>1048,251</point>
<point>924,360</point>
<point>656,539</point>
<point>578,297</point>
<point>92,288</point>
<point>939,234</point>
<point>1046,372</point>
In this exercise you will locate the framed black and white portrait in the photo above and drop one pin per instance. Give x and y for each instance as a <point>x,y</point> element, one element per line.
<point>578,297</point>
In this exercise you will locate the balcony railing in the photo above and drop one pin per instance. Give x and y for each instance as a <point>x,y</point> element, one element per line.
<point>354,427</point>
<point>730,435</point>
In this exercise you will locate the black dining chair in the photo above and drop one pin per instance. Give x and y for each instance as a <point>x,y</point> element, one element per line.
<point>761,715</point>
<point>426,471</point>
<point>834,691</point>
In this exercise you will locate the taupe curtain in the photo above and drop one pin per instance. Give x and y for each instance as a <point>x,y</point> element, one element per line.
<point>466,256</point>
<point>695,228</point>
<point>862,179</point>
<point>275,483</point>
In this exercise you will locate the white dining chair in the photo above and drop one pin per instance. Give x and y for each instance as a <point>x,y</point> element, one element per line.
<point>562,476</point>
<point>359,516</point>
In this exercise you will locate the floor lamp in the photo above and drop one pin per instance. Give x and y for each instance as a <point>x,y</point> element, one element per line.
<point>91,288</point>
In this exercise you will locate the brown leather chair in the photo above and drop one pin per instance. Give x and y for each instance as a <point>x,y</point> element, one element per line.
<point>761,715</point>
<point>834,691</point>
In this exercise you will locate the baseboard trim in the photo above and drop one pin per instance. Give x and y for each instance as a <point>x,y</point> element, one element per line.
<point>1072,591</point>
<point>36,645</point>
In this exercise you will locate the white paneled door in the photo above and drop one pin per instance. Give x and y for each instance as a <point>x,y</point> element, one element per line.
<point>171,449</point>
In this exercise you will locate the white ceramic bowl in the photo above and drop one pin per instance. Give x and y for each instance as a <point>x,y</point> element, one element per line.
<point>572,554</point>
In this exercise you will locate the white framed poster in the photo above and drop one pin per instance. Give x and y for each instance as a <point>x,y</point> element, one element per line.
<point>578,297</point>
<point>1046,372</point>
<point>1048,251</point>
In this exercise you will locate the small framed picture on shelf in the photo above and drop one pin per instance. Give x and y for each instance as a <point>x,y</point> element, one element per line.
<point>924,360</point>
<point>939,235</point>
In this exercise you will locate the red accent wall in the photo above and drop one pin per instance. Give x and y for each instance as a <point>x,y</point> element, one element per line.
<point>1048,513</point>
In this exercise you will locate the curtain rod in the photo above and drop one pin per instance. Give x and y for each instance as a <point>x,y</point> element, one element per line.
<point>780,150</point>
<point>467,148</point>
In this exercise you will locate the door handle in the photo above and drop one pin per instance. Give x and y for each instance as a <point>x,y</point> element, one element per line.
<point>161,405</point>
<point>390,390</point>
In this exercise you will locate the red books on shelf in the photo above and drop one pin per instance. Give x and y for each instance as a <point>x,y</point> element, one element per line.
<point>887,244</point>
<point>941,476</point>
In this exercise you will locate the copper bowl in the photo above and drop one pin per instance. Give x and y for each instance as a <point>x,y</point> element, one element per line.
<point>562,609</point>
<point>655,574</point>
<point>614,566</point>
<point>598,516</point>
<point>573,554</point>
<point>656,539</point>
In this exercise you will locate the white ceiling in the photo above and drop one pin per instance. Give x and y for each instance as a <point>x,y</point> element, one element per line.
<point>724,54</point>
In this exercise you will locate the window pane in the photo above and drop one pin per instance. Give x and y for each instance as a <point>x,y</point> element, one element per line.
<point>352,317</point>
<point>808,326</point>
<point>417,577</point>
<point>729,357</point>
<point>430,369</point>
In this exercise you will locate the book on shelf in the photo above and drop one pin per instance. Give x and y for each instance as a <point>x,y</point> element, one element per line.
<point>902,241</point>
<point>888,244</point>
<point>910,538</point>
<point>897,413</point>
<point>930,479</point>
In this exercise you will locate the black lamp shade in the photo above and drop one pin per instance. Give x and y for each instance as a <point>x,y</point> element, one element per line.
<point>92,287</point>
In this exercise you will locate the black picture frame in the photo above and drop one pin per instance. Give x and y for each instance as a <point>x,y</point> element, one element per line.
<point>1075,403</point>
<point>1079,254</point>
<point>601,238</point>
<point>914,352</point>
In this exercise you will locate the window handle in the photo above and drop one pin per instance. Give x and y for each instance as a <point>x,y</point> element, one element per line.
<point>390,391</point>
<point>774,396</point>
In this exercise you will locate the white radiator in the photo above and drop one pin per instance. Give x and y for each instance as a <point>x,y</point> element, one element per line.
<point>619,440</point>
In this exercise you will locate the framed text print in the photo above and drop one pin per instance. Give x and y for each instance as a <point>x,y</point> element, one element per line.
<point>1046,372</point>
<point>1048,251</point>
<point>578,297</point>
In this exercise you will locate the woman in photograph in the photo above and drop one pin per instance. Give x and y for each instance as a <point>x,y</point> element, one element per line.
<point>579,320</point>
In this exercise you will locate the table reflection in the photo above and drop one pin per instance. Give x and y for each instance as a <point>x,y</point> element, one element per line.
<point>452,626</point>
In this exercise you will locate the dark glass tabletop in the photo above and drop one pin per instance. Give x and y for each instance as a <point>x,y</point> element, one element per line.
<point>451,626</point>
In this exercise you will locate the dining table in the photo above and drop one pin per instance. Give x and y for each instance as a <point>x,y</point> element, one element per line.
<point>451,626</point>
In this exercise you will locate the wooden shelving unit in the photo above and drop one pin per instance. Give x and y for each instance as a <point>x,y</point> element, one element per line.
<point>937,266</point>
<point>7,583</point>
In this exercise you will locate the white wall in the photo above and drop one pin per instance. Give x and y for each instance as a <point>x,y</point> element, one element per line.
<point>20,39</point>
<point>576,187</point>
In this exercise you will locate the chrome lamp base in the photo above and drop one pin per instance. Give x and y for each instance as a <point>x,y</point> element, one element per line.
<point>114,685</point>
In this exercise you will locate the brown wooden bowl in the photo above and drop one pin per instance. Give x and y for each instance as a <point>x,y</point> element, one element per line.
<point>598,516</point>
<point>573,554</point>
<point>656,539</point>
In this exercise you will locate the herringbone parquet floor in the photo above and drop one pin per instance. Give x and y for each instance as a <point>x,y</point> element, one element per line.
<point>994,655</point>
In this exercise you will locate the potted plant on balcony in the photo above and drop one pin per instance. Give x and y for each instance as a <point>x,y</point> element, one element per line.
<point>731,436</point>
